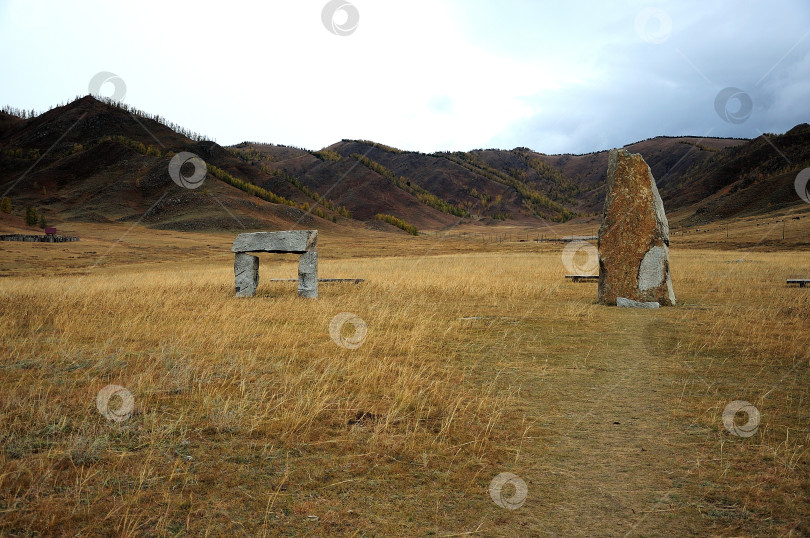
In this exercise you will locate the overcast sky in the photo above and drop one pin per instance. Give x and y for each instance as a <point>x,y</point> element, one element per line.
<point>426,75</point>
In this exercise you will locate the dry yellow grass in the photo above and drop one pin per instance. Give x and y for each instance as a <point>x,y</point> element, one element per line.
<point>249,418</point>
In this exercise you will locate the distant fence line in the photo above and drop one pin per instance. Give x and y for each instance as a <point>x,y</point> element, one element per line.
<point>730,230</point>
<point>502,237</point>
<point>30,238</point>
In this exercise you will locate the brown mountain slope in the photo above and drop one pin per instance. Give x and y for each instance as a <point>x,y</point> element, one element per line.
<point>668,157</point>
<point>455,181</point>
<point>365,192</point>
<point>345,182</point>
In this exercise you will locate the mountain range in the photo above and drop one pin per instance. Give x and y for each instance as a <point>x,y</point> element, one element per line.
<point>100,161</point>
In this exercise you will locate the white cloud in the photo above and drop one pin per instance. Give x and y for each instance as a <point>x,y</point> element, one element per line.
<point>425,75</point>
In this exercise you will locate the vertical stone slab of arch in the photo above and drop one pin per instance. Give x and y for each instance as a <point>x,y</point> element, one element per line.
<point>246,266</point>
<point>634,235</point>
<point>308,275</point>
<point>246,274</point>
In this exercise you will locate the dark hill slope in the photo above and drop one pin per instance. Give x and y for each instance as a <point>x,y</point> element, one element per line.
<point>748,179</point>
<point>91,160</point>
<point>85,121</point>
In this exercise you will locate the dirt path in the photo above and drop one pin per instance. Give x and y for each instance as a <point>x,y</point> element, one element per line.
<point>613,460</point>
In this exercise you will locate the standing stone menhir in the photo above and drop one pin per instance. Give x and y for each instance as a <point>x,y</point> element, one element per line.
<point>246,266</point>
<point>634,236</point>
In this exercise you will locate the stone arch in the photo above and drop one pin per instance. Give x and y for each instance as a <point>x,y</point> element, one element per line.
<point>246,266</point>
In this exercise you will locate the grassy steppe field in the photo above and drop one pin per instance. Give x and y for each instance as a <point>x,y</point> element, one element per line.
<point>249,419</point>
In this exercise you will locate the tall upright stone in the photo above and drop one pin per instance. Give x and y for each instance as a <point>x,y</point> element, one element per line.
<point>634,235</point>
